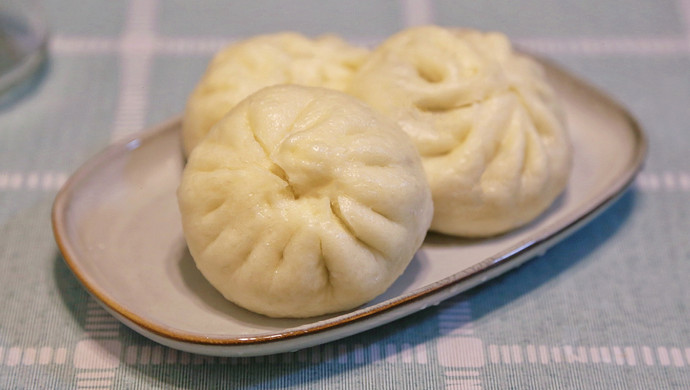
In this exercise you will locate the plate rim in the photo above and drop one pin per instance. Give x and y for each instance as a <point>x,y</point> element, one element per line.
<point>509,258</point>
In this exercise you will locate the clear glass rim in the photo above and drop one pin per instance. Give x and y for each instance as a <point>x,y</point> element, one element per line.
<point>31,17</point>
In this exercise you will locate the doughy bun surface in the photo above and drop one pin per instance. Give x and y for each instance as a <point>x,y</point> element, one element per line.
<point>247,66</point>
<point>303,201</point>
<point>487,124</point>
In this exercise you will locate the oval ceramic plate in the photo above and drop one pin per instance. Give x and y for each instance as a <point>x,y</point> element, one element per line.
<point>117,224</point>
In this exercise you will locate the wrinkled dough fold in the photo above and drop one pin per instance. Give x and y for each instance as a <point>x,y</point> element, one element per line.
<point>249,65</point>
<point>303,201</point>
<point>488,126</point>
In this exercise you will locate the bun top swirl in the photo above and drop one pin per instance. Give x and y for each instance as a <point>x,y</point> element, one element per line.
<point>303,201</point>
<point>247,66</point>
<point>488,126</point>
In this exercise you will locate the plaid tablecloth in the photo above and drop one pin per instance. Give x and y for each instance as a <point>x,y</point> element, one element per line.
<point>607,308</point>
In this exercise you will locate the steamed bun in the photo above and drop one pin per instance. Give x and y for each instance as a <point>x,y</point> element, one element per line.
<point>303,201</point>
<point>487,124</point>
<point>247,66</point>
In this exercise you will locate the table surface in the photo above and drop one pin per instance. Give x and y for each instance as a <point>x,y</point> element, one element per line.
<point>606,308</point>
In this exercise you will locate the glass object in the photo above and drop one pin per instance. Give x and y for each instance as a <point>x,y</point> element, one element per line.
<point>23,40</point>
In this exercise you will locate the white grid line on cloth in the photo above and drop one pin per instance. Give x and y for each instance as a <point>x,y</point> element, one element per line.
<point>191,46</point>
<point>336,354</point>
<point>135,68</point>
<point>606,46</point>
<point>141,17</point>
<point>665,181</point>
<point>61,44</point>
<point>417,12</point>
<point>16,356</point>
<point>391,353</point>
<point>32,181</point>
<point>684,8</point>
<point>205,46</point>
<point>133,98</point>
<point>613,355</point>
